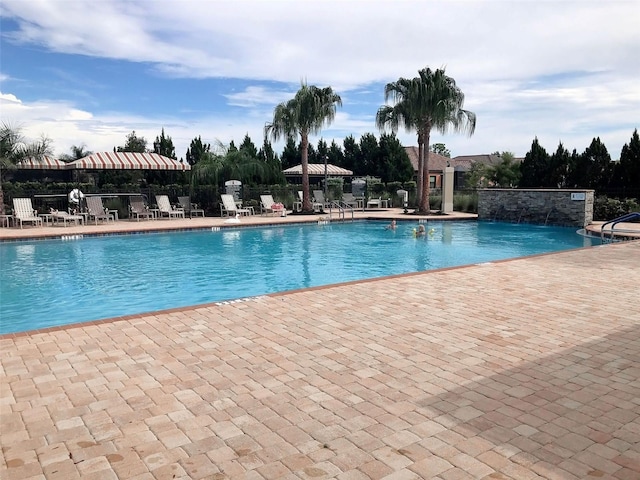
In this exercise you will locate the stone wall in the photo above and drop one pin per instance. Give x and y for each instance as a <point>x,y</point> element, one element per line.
<point>539,206</point>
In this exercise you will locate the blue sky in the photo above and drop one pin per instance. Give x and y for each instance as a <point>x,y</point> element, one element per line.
<point>89,73</point>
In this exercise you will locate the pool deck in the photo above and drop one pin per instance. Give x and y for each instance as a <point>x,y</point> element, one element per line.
<point>519,369</point>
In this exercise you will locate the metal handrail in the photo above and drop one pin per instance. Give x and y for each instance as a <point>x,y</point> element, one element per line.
<point>615,221</point>
<point>342,207</point>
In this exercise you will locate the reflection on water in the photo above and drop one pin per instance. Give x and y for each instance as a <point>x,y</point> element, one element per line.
<point>25,252</point>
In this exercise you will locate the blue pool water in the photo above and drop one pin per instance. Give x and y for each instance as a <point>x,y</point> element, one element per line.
<point>50,283</point>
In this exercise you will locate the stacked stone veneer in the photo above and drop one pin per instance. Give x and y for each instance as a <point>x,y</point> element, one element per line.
<point>539,206</point>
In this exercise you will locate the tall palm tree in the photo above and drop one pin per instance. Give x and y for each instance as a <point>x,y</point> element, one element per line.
<point>14,148</point>
<point>306,113</point>
<point>432,100</point>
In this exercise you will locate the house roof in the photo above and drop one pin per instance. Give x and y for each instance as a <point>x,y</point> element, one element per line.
<point>464,162</point>
<point>437,162</point>
<point>317,169</point>
<point>461,163</point>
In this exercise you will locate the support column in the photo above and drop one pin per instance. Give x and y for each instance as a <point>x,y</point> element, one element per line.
<point>447,190</point>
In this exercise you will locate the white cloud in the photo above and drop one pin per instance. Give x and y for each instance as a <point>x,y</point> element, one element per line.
<point>513,60</point>
<point>253,96</point>
<point>9,98</point>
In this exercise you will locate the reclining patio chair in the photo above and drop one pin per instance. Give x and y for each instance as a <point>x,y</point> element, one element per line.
<point>374,202</point>
<point>66,218</point>
<point>166,209</point>
<point>96,210</point>
<point>319,203</point>
<point>23,212</point>
<point>228,207</point>
<point>189,208</point>
<point>138,209</point>
<point>297,204</point>
<point>269,205</point>
<point>350,200</point>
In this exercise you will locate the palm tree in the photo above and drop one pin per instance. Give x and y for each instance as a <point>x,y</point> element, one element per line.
<point>77,152</point>
<point>306,113</point>
<point>430,100</point>
<point>14,148</point>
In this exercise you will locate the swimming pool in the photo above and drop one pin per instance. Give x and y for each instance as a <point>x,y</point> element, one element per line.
<point>54,282</point>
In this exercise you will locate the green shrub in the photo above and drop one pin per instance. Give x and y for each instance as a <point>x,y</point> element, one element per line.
<point>605,208</point>
<point>465,202</point>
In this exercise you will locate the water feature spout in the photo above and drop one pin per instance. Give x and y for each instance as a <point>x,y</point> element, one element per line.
<point>549,214</point>
<point>525,209</point>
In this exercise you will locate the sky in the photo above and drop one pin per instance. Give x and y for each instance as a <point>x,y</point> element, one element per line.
<point>91,72</point>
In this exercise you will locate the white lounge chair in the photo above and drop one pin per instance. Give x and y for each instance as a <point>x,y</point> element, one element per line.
<point>189,208</point>
<point>166,209</point>
<point>269,205</point>
<point>228,207</point>
<point>297,204</point>
<point>374,202</point>
<point>66,218</point>
<point>96,210</point>
<point>23,212</point>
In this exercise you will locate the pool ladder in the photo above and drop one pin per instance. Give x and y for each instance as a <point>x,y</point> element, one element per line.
<point>342,208</point>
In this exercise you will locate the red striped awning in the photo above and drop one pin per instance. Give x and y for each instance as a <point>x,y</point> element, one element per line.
<point>44,163</point>
<point>128,161</point>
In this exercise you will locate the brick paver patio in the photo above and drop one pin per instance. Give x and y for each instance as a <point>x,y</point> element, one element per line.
<point>521,369</point>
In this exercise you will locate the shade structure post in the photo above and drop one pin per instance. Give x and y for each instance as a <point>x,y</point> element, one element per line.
<point>325,176</point>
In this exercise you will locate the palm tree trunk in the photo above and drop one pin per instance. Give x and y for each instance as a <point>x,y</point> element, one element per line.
<point>424,202</point>
<point>1,195</point>
<point>420,169</point>
<point>304,147</point>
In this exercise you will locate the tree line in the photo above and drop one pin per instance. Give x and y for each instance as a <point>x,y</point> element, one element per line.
<point>592,169</point>
<point>430,101</point>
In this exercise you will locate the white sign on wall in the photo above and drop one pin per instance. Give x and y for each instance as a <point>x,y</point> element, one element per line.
<point>578,196</point>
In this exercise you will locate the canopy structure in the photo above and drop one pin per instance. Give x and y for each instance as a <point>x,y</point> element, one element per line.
<point>44,163</point>
<point>317,170</point>
<point>128,161</point>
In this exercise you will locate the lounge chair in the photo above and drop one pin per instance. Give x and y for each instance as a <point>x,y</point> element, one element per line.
<point>189,208</point>
<point>66,218</point>
<point>350,200</point>
<point>96,210</point>
<point>228,207</point>
<point>374,202</point>
<point>269,205</point>
<point>319,202</point>
<point>166,209</point>
<point>138,209</point>
<point>23,212</point>
<point>297,205</point>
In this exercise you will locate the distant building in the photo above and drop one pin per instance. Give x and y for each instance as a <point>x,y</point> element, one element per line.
<point>437,164</point>
<point>461,165</point>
